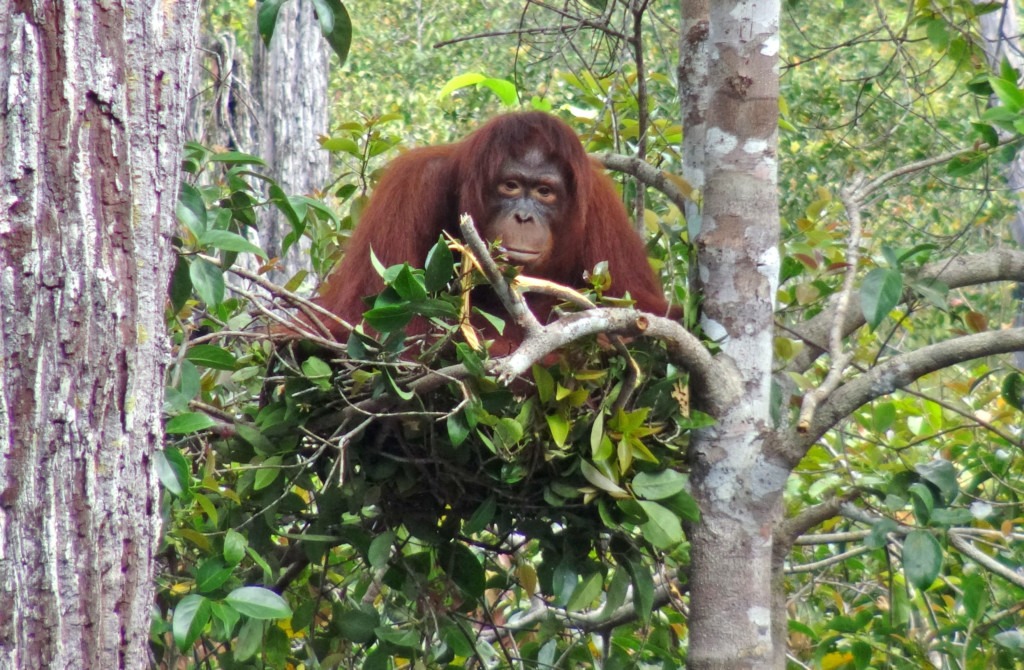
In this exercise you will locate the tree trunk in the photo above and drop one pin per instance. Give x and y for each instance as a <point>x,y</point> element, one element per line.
<point>1000,39</point>
<point>290,81</point>
<point>90,113</point>
<point>738,486</point>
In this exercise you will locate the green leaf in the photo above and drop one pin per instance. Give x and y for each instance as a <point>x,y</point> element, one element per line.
<point>585,593</point>
<point>934,292</point>
<point>234,547</point>
<point>318,371</point>
<point>662,528</point>
<point>879,294</point>
<point>861,655</point>
<point>879,536</point>
<point>181,284</point>
<point>945,517</point>
<point>460,81</point>
<point>594,476</point>
<point>938,34</point>
<point>380,549</point>
<point>259,603</point>
<point>883,415</point>
<point>402,637</point>
<point>987,133</point>
<point>408,286</point>
<point>922,558</point>
<point>212,574</point>
<point>559,427</point>
<point>190,617</point>
<point>190,382</point>
<point>597,437</point>
<point>923,501</point>
<point>336,26</point>
<point>266,19</point>
<point>211,356</point>
<point>191,209</point>
<point>237,157</point>
<point>378,267</point>
<point>357,625</point>
<point>618,589</point>
<point>464,568</point>
<point>396,389</point>
<point>975,596</point>
<point>456,639</point>
<point>1008,93</point>
<point>458,428</point>
<point>968,163</point>
<point>683,506</point>
<point>250,639</point>
<point>481,516</point>
<point>564,579</point>
<point>208,281</point>
<point>439,267</point>
<point>255,437</point>
<point>190,422</point>
<point>496,322</point>
<point>268,574</point>
<point>389,318</point>
<point>471,359</point>
<point>172,470</point>
<point>659,485</point>
<point>267,473</point>
<point>229,241</point>
<point>643,589</point>
<point>226,616</point>
<point>545,383</point>
<point>1013,390</point>
<point>504,89</point>
<point>507,433</point>
<point>942,474</point>
<point>1010,639</point>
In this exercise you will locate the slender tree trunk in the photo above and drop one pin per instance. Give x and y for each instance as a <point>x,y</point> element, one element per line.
<point>90,113</point>
<point>1000,39</point>
<point>732,100</point>
<point>290,84</point>
<point>693,81</point>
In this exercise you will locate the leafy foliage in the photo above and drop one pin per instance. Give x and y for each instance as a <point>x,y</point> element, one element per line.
<point>437,532</point>
<point>345,505</point>
<point>335,23</point>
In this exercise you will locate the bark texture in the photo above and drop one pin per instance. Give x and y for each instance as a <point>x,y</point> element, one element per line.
<point>1000,38</point>
<point>729,85</point>
<point>91,110</point>
<point>290,84</point>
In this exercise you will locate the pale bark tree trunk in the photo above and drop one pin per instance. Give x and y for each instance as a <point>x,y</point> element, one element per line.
<point>91,108</point>
<point>732,52</point>
<point>1000,39</point>
<point>290,85</point>
<point>221,111</point>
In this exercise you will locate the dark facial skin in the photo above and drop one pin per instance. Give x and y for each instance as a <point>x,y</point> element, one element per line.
<point>528,201</point>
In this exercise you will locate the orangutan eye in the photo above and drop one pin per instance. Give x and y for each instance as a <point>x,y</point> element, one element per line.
<point>509,187</point>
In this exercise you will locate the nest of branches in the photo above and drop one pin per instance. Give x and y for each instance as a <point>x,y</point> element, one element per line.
<point>448,455</point>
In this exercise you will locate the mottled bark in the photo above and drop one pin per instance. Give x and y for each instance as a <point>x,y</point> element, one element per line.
<point>91,108</point>
<point>729,84</point>
<point>290,85</point>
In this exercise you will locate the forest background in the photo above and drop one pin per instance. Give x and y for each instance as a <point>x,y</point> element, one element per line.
<point>822,469</point>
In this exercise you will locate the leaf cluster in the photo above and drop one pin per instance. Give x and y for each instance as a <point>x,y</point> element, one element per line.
<point>388,498</point>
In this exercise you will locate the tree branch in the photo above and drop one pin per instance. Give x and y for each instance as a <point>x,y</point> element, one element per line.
<point>958,272</point>
<point>708,376</point>
<point>894,374</point>
<point>672,187</point>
